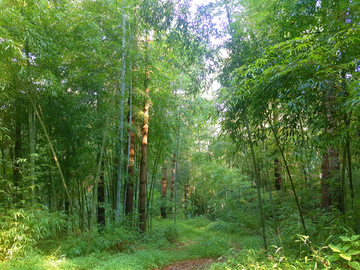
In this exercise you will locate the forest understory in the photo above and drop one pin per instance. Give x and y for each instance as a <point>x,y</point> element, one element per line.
<point>163,134</point>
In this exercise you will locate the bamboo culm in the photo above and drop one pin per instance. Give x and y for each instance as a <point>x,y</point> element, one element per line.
<point>117,211</point>
<point>288,172</point>
<point>53,152</point>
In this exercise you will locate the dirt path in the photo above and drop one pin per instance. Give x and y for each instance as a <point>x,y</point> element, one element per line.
<point>197,264</point>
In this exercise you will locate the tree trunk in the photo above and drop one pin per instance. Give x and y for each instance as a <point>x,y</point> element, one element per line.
<point>163,190</point>
<point>336,188</point>
<point>269,188</point>
<point>277,164</point>
<point>32,152</point>
<point>129,194</point>
<point>81,207</point>
<point>114,181</point>
<point>67,207</point>
<point>3,158</point>
<point>101,200</point>
<point>186,195</point>
<point>150,197</point>
<point>142,187</point>
<point>144,143</point>
<point>277,174</point>
<point>257,179</point>
<point>52,151</point>
<point>117,212</point>
<point>51,188</point>
<point>129,208</point>
<point>350,172</point>
<point>16,165</point>
<point>325,178</point>
<point>289,174</point>
<point>343,180</point>
<point>172,186</point>
<point>176,181</point>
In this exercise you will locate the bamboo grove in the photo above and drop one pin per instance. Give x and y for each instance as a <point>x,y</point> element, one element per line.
<point>85,87</point>
<point>104,125</point>
<point>293,77</point>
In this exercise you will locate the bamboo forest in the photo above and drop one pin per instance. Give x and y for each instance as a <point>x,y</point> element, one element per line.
<point>188,134</point>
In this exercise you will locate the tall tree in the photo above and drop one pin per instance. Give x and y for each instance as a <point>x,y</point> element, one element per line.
<point>144,144</point>
<point>163,190</point>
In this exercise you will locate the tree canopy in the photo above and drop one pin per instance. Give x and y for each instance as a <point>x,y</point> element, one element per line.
<point>119,114</point>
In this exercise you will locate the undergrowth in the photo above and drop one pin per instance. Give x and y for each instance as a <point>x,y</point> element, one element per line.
<point>237,246</point>
<point>125,249</point>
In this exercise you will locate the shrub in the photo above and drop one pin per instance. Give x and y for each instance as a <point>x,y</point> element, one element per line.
<point>347,251</point>
<point>21,228</point>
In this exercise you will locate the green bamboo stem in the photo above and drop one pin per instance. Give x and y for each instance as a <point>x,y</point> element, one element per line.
<point>121,126</point>
<point>256,178</point>
<point>343,208</point>
<point>269,188</point>
<point>288,172</point>
<point>52,151</point>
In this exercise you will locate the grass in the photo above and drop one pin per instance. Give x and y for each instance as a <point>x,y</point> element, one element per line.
<point>123,248</point>
<point>192,239</point>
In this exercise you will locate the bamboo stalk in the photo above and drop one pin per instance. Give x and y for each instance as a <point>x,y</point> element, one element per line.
<point>52,151</point>
<point>256,178</point>
<point>343,209</point>
<point>121,127</point>
<point>288,171</point>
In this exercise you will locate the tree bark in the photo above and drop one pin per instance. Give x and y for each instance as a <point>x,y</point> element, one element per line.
<point>336,188</point>
<point>129,195</point>
<point>144,143</point>
<point>172,186</point>
<point>129,208</point>
<point>143,180</point>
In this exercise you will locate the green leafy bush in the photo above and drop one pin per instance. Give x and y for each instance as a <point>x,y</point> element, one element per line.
<point>218,226</point>
<point>347,251</point>
<point>256,260</point>
<point>21,228</point>
<point>198,222</point>
<point>116,239</point>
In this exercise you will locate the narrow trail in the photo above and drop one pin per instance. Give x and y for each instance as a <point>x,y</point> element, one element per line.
<point>198,264</point>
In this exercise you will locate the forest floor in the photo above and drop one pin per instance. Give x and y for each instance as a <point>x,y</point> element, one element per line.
<point>198,264</point>
<point>195,244</point>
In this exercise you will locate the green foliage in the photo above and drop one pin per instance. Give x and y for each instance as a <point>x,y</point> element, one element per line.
<point>22,228</point>
<point>347,251</point>
<point>129,250</point>
<point>218,226</point>
<point>117,239</point>
<point>254,260</point>
<point>198,222</point>
<point>288,61</point>
<point>163,236</point>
